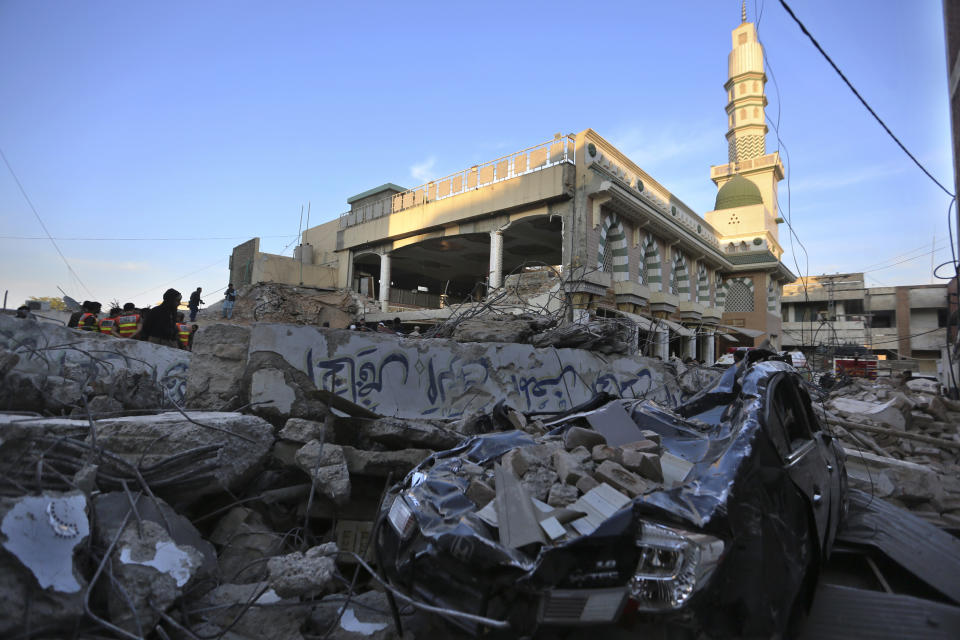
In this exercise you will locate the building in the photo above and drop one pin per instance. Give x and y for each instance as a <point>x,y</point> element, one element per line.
<point>903,324</point>
<point>622,243</point>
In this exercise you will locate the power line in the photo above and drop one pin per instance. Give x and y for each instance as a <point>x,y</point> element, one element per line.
<point>900,255</point>
<point>160,286</point>
<point>40,220</point>
<point>138,239</point>
<point>860,98</point>
<point>907,260</point>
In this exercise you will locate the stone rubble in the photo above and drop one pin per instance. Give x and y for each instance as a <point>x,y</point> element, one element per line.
<point>231,490</point>
<point>902,440</point>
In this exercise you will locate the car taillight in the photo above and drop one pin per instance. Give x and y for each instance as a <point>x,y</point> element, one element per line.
<point>673,565</point>
<point>401,518</point>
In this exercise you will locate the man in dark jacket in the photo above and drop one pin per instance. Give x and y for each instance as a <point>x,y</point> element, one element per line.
<point>160,323</point>
<point>195,303</point>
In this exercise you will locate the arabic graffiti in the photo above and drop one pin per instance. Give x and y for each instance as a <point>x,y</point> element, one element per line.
<point>401,380</point>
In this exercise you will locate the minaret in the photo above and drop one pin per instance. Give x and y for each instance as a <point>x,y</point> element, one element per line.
<point>751,174</point>
<point>746,136</point>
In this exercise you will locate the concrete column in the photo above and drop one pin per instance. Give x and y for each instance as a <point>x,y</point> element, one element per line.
<point>708,348</point>
<point>692,346</point>
<point>384,282</point>
<point>663,344</point>
<point>496,259</point>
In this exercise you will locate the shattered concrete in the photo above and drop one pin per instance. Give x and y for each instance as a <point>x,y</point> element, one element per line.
<point>443,378</point>
<point>55,366</point>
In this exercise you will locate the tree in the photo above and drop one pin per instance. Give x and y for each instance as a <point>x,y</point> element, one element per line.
<point>57,304</point>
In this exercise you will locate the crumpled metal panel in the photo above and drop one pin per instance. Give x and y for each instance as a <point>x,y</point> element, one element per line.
<point>929,553</point>
<point>737,490</point>
<point>43,532</point>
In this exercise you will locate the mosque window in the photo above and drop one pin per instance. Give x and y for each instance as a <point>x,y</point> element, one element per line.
<point>756,86</point>
<point>739,298</point>
<point>756,112</point>
<point>743,114</point>
<point>742,38</point>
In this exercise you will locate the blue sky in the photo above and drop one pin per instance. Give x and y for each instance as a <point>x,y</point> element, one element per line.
<point>218,120</point>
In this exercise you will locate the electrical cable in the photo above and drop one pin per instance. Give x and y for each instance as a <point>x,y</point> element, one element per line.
<point>23,192</point>
<point>922,255</point>
<point>902,255</point>
<point>780,144</point>
<point>82,239</point>
<point>860,98</point>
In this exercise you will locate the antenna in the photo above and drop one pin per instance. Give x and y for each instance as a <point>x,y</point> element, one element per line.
<point>300,227</point>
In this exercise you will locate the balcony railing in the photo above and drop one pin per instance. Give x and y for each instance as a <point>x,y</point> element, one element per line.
<point>548,154</point>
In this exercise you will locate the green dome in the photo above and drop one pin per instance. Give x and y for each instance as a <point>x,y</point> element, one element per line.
<point>738,192</point>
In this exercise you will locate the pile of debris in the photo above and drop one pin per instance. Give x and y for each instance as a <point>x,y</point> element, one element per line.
<point>278,302</point>
<point>902,439</point>
<point>196,523</point>
<point>566,485</point>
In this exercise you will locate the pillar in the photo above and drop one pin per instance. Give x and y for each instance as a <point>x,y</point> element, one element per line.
<point>663,344</point>
<point>496,259</point>
<point>708,349</point>
<point>692,346</point>
<point>384,282</point>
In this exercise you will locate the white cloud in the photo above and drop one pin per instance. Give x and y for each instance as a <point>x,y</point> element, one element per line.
<point>649,146</point>
<point>423,171</point>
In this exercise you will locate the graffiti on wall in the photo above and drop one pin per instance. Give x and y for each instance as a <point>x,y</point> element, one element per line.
<point>87,361</point>
<point>443,383</point>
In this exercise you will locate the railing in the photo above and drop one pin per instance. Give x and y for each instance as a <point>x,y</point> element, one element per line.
<point>415,299</point>
<point>730,168</point>
<point>548,154</point>
<point>652,192</point>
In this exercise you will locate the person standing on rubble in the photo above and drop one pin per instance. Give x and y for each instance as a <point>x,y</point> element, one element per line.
<point>88,321</point>
<point>228,299</point>
<point>195,303</point>
<point>108,325</point>
<point>75,316</point>
<point>128,322</point>
<point>183,332</point>
<point>160,323</point>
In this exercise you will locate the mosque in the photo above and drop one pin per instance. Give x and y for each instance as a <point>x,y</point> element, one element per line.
<point>575,207</point>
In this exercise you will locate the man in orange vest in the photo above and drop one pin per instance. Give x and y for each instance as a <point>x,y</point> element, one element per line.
<point>183,332</point>
<point>108,325</point>
<point>88,319</point>
<point>128,322</point>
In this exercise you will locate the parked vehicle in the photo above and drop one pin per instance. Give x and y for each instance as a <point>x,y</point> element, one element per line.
<point>728,542</point>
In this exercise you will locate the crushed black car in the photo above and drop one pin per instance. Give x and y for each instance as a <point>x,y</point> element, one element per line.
<point>714,516</point>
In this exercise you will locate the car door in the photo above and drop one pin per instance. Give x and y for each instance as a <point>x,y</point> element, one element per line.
<point>790,429</point>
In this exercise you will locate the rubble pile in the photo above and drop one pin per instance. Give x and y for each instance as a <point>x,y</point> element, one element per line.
<point>196,521</point>
<point>277,302</point>
<point>902,440</point>
<point>563,485</point>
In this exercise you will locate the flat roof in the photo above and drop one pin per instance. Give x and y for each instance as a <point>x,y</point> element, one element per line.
<point>370,192</point>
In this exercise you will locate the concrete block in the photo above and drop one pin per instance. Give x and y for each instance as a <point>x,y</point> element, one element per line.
<point>579,437</point>
<point>622,479</point>
<point>562,495</point>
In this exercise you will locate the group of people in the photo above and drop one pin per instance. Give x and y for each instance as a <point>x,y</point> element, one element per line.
<point>163,324</point>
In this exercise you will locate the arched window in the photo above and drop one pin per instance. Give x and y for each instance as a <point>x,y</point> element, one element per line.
<point>703,285</point>
<point>773,297</point>
<point>679,278</point>
<point>652,271</point>
<point>612,254</point>
<point>739,295</point>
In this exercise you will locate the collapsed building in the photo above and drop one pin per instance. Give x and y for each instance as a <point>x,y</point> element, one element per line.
<point>240,490</point>
<point>152,492</point>
<point>616,240</point>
